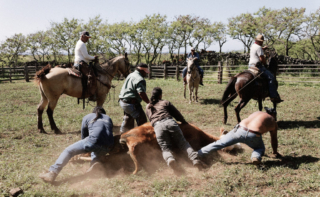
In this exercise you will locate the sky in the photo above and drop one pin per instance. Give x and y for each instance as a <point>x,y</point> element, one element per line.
<point>29,16</point>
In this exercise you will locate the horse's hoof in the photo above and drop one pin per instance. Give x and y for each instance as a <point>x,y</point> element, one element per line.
<point>57,131</point>
<point>42,131</point>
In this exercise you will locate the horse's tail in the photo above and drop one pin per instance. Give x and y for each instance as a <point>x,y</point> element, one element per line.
<point>230,89</point>
<point>41,74</point>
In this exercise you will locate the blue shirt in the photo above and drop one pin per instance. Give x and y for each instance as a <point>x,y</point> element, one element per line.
<point>193,56</point>
<point>98,132</point>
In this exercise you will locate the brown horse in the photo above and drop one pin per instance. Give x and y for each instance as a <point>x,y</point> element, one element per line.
<point>54,82</point>
<point>242,85</point>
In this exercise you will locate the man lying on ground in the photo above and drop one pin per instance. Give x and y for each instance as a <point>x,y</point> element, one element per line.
<point>160,113</point>
<point>249,131</point>
<point>97,137</point>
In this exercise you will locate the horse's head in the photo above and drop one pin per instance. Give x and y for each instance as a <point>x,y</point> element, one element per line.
<point>124,68</point>
<point>191,65</point>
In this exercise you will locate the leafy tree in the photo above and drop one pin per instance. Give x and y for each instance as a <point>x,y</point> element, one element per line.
<point>202,33</point>
<point>95,43</point>
<point>219,31</point>
<point>66,35</point>
<point>243,28</point>
<point>13,47</point>
<point>38,45</point>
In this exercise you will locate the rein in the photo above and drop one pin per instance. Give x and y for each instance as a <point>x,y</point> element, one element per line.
<point>243,87</point>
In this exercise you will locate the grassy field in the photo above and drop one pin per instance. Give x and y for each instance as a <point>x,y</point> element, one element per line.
<point>24,153</point>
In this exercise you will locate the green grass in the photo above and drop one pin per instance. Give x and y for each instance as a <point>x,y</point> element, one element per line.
<point>24,153</point>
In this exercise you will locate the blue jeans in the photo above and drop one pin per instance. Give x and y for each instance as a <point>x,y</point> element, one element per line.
<point>234,136</point>
<point>184,72</point>
<point>272,81</point>
<point>131,112</point>
<point>82,146</point>
<point>168,133</point>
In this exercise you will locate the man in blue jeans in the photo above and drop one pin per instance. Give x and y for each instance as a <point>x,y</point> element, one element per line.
<point>257,56</point>
<point>249,131</point>
<point>193,54</point>
<point>132,93</point>
<point>97,138</point>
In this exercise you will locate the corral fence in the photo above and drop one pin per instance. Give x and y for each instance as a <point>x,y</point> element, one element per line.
<point>221,73</point>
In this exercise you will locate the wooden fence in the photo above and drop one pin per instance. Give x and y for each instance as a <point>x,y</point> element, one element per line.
<point>288,73</point>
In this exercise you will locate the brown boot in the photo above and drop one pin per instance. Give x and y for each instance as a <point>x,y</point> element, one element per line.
<point>48,177</point>
<point>184,80</point>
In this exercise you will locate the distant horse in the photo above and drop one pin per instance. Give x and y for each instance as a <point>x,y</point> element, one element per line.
<point>193,80</point>
<point>257,89</point>
<point>57,81</point>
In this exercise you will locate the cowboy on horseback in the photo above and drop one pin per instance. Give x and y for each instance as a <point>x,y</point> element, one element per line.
<point>81,62</point>
<point>257,58</point>
<point>193,54</point>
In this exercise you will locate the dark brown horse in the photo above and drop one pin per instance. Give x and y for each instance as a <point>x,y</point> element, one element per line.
<point>242,85</point>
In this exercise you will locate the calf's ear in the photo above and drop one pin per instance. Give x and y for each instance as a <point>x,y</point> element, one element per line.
<point>221,130</point>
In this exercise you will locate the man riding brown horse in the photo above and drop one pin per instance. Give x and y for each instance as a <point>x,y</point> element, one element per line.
<point>81,62</point>
<point>258,60</point>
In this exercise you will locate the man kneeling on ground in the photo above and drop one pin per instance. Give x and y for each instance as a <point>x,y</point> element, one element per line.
<point>249,131</point>
<point>97,138</point>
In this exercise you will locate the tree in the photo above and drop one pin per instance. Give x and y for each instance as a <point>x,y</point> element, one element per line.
<point>219,33</point>
<point>95,43</point>
<point>13,47</point>
<point>243,28</point>
<point>38,45</point>
<point>154,28</point>
<point>66,35</point>
<point>311,31</point>
<point>202,33</point>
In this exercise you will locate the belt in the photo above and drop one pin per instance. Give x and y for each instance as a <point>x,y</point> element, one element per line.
<point>129,101</point>
<point>161,121</point>
<point>246,129</point>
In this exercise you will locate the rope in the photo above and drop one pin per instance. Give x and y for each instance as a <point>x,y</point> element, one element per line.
<point>242,88</point>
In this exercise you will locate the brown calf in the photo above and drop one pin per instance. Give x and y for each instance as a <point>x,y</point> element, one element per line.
<point>142,140</point>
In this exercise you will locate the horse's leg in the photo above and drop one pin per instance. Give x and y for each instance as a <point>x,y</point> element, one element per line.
<point>196,92</point>
<point>51,106</point>
<point>225,105</point>
<point>190,93</point>
<point>260,104</point>
<point>275,108</point>
<point>43,103</point>
<point>238,108</point>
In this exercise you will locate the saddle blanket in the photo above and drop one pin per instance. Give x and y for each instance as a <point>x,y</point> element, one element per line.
<point>255,71</point>
<point>74,72</point>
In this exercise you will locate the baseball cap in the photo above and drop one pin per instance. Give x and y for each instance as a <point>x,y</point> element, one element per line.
<point>192,48</point>
<point>85,33</point>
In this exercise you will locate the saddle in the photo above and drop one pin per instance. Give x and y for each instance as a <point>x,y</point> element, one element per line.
<point>88,80</point>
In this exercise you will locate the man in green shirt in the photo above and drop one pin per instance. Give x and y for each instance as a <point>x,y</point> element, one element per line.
<point>132,93</point>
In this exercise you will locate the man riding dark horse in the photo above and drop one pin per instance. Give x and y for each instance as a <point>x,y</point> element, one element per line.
<point>193,54</point>
<point>258,60</point>
<point>81,62</point>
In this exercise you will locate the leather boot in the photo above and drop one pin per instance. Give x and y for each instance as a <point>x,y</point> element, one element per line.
<point>201,82</point>
<point>184,80</point>
<point>92,85</point>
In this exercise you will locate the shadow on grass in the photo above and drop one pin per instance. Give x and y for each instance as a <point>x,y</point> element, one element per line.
<point>296,124</point>
<point>209,101</point>
<point>290,161</point>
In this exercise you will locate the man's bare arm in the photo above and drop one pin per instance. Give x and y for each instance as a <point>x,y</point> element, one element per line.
<point>144,97</point>
<point>274,140</point>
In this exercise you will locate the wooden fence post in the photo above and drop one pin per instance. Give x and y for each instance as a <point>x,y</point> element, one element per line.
<point>165,71</point>
<point>149,67</point>
<point>177,72</point>
<point>228,68</point>
<point>10,74</point>
<point>3,71</point>
<point>26,72</point>
<point>36,66</point>
<point>220,72</point>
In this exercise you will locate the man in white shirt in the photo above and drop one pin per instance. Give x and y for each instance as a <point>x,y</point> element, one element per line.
<point>81,62</point>
<point>80,51</point>
<point>256,56</point>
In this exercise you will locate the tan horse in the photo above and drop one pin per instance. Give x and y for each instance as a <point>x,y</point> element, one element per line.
<point>193,80</point>
<point>54,82</point>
